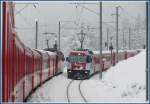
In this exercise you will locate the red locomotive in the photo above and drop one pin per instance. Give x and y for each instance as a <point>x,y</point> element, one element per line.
<point>23,69</point>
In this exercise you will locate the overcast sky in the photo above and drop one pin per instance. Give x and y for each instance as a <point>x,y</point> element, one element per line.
<point>49,14</point>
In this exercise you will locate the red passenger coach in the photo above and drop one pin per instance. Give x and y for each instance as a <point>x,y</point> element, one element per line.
<point>45,65</point>
<point>23,69</point>
<point>18,74</point>
<point>7,52</point>
<point>29,62</point>
<point>37,68</point>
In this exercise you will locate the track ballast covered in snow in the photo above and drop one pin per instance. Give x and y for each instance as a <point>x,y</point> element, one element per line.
<point>125,82</point>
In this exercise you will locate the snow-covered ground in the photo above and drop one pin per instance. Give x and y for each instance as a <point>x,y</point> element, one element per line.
<point>125,82</point>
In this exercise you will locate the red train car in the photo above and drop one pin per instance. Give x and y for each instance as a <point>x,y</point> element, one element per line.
<point>37,68</point>
<point>7,52</point>
<point>84,63</point>
<point>23,69</point>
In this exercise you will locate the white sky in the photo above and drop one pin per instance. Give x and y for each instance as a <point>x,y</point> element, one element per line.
<point>49,13</point>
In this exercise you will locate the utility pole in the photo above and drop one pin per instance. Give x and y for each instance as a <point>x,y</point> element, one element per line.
<point>82,37</point>
<point>100,36</point>
<point>47,40</point>
<point>116,31</point>
<point>36,34</point>
<point>129,38</point>
<point>147,48</point>
<point>59,35</point>
<point>107,38</point>
<point>123,46</point>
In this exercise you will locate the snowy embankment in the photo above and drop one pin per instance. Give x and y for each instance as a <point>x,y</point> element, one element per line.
<point>124,82</point>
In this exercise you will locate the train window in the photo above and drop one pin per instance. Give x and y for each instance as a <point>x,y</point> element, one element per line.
<point>67,59</point>
<point>45,64</point>
<point>54,63</point>
<point>30,65</point>
<point>48,63</point>
<point>53,66</point>
<point>15,63</point>
<point>17,66</point>
<point>26,65</point>
<point>36,68</point>
<point>15,71</point>
<point>38,64</point>
<point>89,59</point>
<point>77,58</point>
<point>51,63</point>
<point>35,65</point>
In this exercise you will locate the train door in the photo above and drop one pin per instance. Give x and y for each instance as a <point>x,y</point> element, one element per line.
<point>33,64</point>
<point>89,64</point>
<point>49,65</point>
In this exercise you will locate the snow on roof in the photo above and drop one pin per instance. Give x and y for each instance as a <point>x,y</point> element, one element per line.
<point>42,51</point>
<point>97,52</point>
<point>108,51</point>
<point>82,52</point>
<point>50,53</point>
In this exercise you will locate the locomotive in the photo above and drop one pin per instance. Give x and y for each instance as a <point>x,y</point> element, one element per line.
<point>23,69</point>
<point>81,64</point>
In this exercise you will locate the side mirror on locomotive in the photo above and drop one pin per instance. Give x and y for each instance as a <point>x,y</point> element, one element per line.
<point>67,59</point>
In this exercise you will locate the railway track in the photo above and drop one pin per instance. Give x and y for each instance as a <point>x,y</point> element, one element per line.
<point>79,90</point>
<point>68,90</point>
<point>79,87</point>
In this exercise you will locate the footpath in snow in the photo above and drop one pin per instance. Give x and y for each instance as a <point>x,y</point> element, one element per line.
<point>125,82</point>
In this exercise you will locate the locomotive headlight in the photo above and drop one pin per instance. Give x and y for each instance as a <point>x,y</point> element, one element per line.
<point>85,72</point>
<point>81,68</point>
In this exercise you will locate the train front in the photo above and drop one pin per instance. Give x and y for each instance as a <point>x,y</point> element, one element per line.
<point>77,65</point>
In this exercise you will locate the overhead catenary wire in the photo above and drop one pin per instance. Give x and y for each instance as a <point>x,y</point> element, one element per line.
<point>24,28</point>
<point>78,16</point>
<point>89,9</point>
<point>25,19</point>
<point>92,12</point>
<point>19,11</point>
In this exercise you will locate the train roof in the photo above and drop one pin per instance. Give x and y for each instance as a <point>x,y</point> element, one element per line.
<point>108,51</point>
<point>50,53</point>
<point>51,49</point>
<point>78,51</point>
<point>97,52</point>
<point>81,52</point>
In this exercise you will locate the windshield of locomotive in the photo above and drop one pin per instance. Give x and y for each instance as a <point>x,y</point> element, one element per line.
<point>74,58</point>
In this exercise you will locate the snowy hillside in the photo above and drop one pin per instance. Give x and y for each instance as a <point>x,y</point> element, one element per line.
<point>124,82</point>
<point>129,71</point>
